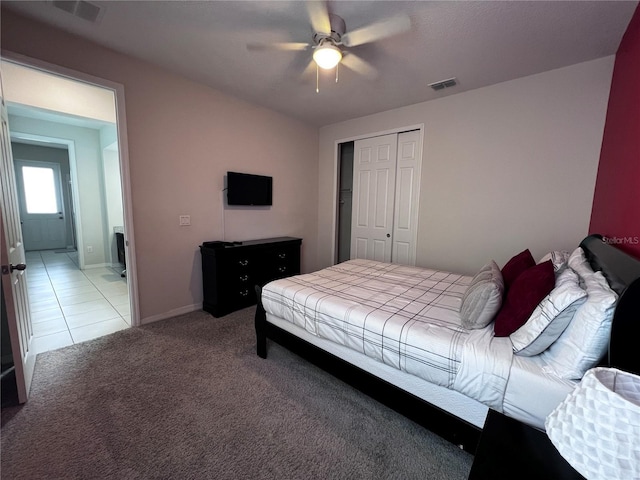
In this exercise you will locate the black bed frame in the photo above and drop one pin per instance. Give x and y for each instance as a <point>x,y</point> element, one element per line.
<point>621,271</point>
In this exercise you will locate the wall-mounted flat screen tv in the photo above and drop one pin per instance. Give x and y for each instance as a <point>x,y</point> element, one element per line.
<point>247,189</point>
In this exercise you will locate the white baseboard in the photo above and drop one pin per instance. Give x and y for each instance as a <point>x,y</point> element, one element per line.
<point>97,265</point>
<point>171,313</point>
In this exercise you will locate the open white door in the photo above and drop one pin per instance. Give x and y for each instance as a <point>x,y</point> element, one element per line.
<point>374,181</point>
<point>14,284</point>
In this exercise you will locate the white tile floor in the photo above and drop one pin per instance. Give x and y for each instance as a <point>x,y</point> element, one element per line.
<point>71,306</point>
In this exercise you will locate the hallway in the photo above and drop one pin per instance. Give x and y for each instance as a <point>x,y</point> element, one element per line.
<point>70,306</point>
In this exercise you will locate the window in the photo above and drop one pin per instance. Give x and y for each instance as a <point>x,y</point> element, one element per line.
<point>40,190</point>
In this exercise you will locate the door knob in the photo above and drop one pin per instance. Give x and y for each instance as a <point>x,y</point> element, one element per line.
<point>388,235</point>
<point>8,269</point>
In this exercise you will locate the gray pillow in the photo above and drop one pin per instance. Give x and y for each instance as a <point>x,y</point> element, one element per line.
<point>483,298</point>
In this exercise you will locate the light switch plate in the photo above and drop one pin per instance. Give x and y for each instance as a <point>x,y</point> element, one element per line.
<point>185,220</point>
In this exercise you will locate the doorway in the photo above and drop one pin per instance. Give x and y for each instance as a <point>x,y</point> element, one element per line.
<point>70,302</point>
<point>345,199</point>
<point>378,185</point>
<point>76,294</point>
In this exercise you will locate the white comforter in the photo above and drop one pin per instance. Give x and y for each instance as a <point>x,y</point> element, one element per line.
<point>405,317</point>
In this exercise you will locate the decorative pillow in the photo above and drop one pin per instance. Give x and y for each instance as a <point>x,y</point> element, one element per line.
<point>525,294</point>
<point>550,317</point>
<point>585,341</point>
<point>514,267</point>
<point>559,259</point>
<point>483,298</point>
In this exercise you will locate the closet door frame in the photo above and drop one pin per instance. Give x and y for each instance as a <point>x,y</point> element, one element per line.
<point>336,179</point>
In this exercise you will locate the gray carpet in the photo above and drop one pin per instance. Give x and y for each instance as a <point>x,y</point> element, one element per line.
<point>187,398</point>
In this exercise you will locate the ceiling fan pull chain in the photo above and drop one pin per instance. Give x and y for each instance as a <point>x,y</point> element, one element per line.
<point>337,66</point>
<point>317,80</point>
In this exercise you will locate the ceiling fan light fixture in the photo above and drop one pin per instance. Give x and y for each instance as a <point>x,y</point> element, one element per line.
<point>327,56</point>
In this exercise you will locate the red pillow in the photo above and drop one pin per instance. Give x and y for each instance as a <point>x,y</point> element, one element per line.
<point>528,290</point>
<point>515,267</point>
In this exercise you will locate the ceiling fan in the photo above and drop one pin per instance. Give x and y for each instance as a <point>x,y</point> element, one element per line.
<point>331,40</point>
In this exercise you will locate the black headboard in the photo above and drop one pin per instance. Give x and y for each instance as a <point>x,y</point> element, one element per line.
<point>623,274</point>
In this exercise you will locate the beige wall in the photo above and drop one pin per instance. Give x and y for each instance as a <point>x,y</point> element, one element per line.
<point>183,137</point>
<point>506,167</point>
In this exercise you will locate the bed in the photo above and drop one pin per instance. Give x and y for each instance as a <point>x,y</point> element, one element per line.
<point>395,333</point>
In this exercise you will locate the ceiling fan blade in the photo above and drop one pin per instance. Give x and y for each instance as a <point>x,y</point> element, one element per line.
<point>288,46</point>
<point>310,68</point>
<point>319,16</point>
<point>377,31</point>
<point>360,66</point>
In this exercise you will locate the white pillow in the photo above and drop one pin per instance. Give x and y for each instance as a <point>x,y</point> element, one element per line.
<point>483,297</point>
<point>558,259</point>
<point>585,340</point>
<point>551,316</point>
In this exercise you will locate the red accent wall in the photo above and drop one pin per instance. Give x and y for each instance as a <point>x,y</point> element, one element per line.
<point>616,202</point>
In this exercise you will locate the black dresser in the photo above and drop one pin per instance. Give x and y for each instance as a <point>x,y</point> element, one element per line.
<point>230,271</point>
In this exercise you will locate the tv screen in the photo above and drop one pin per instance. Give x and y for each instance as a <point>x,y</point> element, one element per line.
<point>247,189</point>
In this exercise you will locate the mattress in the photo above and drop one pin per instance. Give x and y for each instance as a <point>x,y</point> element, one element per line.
<point>402,316</point>
<point>533,391</point>
<point>402,324</point>
<point>448,400</point>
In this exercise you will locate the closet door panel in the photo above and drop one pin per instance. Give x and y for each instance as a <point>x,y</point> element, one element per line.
<point>374,169</point>
<point>381,214</point>
<point>405,231</point>
<point>361,206</point>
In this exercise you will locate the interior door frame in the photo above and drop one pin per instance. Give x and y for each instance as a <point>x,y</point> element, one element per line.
<point>123,152</point>
<point>336,176</point>
<point>75,195</point>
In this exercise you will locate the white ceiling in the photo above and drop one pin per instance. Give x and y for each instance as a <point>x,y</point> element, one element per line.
<point>479,42</point>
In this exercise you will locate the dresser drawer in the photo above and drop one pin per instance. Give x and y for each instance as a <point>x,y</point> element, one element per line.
<point>282,262</point>
<point>239,282</point>
<point>242,296</point>
<point>238,263</point>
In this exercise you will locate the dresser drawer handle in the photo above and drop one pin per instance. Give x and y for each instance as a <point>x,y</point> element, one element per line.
<point>243,263</point>
<point>244,293</point>
<point>282,269</point>
<point>244,278</point>
<point>282,255</point>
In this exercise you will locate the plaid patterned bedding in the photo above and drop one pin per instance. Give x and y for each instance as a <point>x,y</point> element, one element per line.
<point>406,317</point>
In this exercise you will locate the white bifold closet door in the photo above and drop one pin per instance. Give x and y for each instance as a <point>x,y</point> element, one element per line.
<point>386,181</point>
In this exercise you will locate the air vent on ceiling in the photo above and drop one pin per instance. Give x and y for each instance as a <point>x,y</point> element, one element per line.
<point>80,8</point>
<point>442,84</point>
